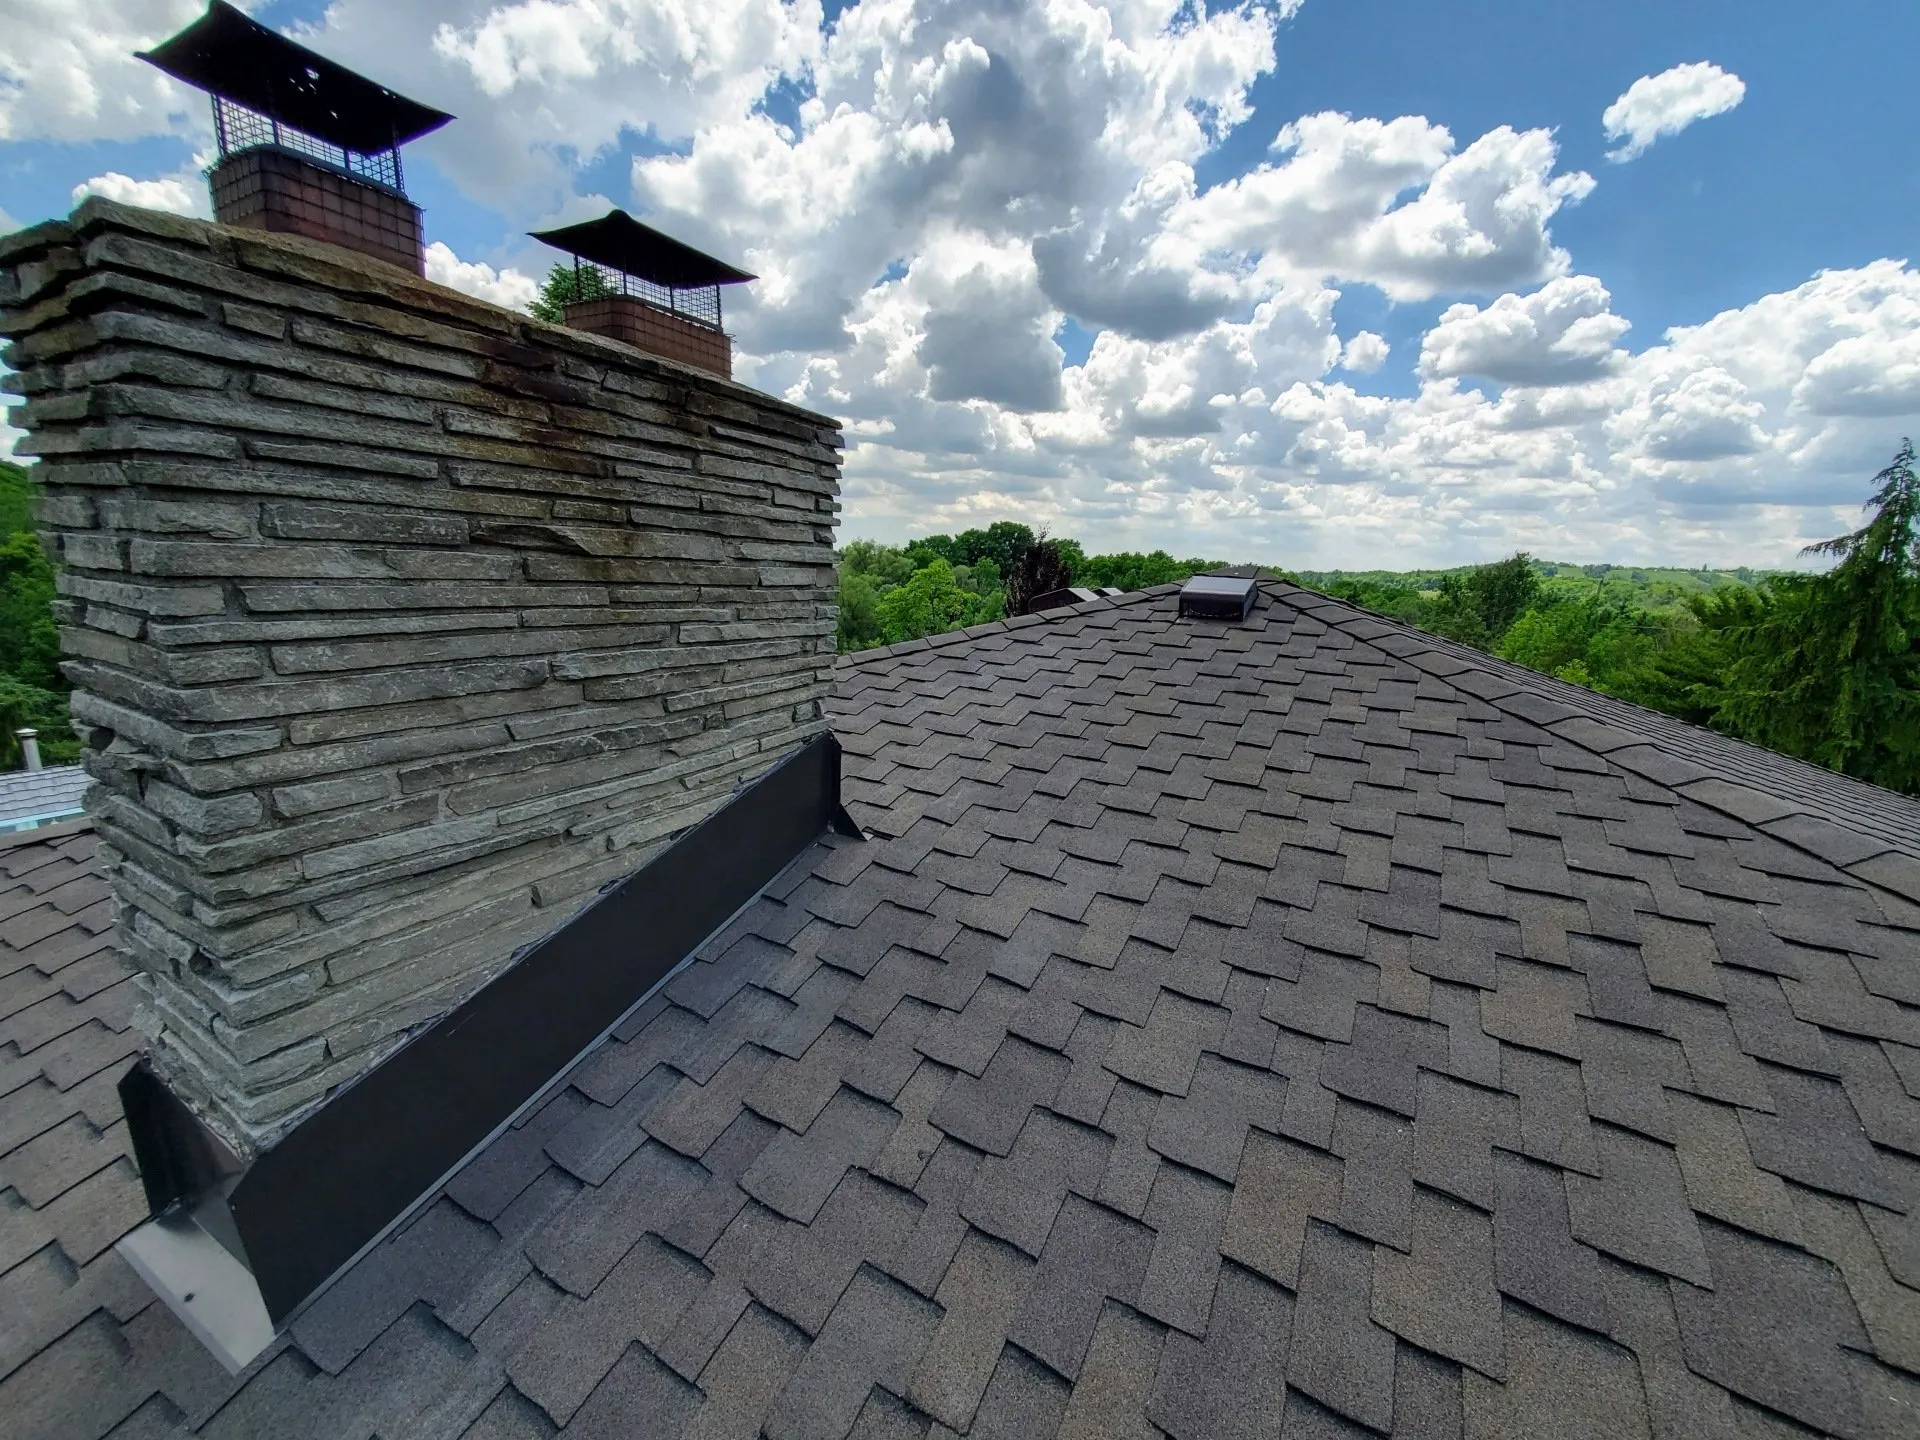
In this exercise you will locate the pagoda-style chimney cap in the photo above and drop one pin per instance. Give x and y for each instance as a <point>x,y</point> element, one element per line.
<point>620,242</point>
<point>238,59</point>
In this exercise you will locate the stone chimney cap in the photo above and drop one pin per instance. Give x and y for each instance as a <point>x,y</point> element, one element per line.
<point>238,59</point>
<point>622,243</point>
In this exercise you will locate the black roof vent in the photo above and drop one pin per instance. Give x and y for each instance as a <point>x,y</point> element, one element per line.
<point>1219,597</point>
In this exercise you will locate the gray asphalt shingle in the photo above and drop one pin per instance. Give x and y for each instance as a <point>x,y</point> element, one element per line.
<point>1303,1027</point>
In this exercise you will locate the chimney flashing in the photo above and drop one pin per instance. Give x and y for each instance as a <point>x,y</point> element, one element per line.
<point>239,1248</point>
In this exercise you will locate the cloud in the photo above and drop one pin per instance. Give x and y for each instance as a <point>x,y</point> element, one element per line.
<point>542,86</point>
<point>506,287</point>
<point>1656,106</point>
<point>7,223</point>
<point>68,72</point>
<point>928,192</point>
<point>1561,334</point>
<point>1069,129</point>
<point>1707,415</point>
<point>182,194</point>
<point>988,332</point>
<point>1477,221</point>
<point>1364,353</point>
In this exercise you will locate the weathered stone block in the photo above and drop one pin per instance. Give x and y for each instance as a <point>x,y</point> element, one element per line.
<point>202,815</point>
<point>292,521</point>
<point>294,802</point>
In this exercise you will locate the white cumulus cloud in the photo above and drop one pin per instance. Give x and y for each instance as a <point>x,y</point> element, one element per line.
<point>184,194</point>
<point>506,286</point>
<point>930,192</point>
<point>1364,353</point>
<point>1563,333</point>
<point>68,72</point>
<point>1474,221</point>
<point>1656,106</point>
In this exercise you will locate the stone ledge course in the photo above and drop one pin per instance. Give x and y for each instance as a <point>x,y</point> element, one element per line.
<point>378,596</point>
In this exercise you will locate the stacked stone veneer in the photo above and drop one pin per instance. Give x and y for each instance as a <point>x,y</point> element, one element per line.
<point>269,189</point>
<point>399,622</point>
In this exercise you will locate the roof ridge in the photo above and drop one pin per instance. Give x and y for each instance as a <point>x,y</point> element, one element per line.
<point>1716,770</point>
<point>949,638</point>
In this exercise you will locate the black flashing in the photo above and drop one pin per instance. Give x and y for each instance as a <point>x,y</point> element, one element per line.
<point>1219,597</point>
<point>306,1207</point>
<point>236,58</point>
<point>622,243</point>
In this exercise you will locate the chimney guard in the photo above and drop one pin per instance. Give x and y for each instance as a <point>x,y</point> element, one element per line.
<point>634,284</point>
<point>307,146</point>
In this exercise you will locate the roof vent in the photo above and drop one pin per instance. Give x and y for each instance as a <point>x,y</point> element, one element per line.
<point>1219,597</point>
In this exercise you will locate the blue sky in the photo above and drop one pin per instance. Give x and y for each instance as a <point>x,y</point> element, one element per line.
<point>1145,333</point>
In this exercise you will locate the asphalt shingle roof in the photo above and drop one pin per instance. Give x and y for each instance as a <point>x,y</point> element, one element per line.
<point>1302,1027</point>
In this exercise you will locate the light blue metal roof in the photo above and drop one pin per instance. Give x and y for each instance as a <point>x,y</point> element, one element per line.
<point>47,794</point>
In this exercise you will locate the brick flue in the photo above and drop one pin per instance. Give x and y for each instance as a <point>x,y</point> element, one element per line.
<point>266,189</point>
<point>658,332</point>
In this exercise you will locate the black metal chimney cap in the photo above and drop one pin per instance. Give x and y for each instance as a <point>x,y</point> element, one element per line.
<point>1219,597</point>
<point>236,58</point>
<point>620,242</point>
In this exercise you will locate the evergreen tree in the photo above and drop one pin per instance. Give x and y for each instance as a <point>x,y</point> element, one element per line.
<point>563,286</point>
<point>1042,569</point>
<point>1828,666</point>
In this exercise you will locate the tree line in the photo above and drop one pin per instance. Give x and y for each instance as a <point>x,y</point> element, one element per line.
<point>1822,666</point>
<point>1825,667</point>
<point>891,593</point>
<point>33,693</point>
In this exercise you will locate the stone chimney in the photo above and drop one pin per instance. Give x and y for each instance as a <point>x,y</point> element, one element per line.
<point>307,147</point>
<point>399,624</point>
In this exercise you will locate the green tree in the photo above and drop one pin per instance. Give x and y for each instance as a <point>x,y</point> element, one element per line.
<point>931,603</point>
<point>1478,606</point>
<point>1130,570</point>
<point>564,285</point>
<point>32,690</point>
<point>886,564</point>
<point>29,639</point>
<point>1827,667</point>
<point>859,626</point>
<point>1044,568</point>
<point>1002,542</point>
